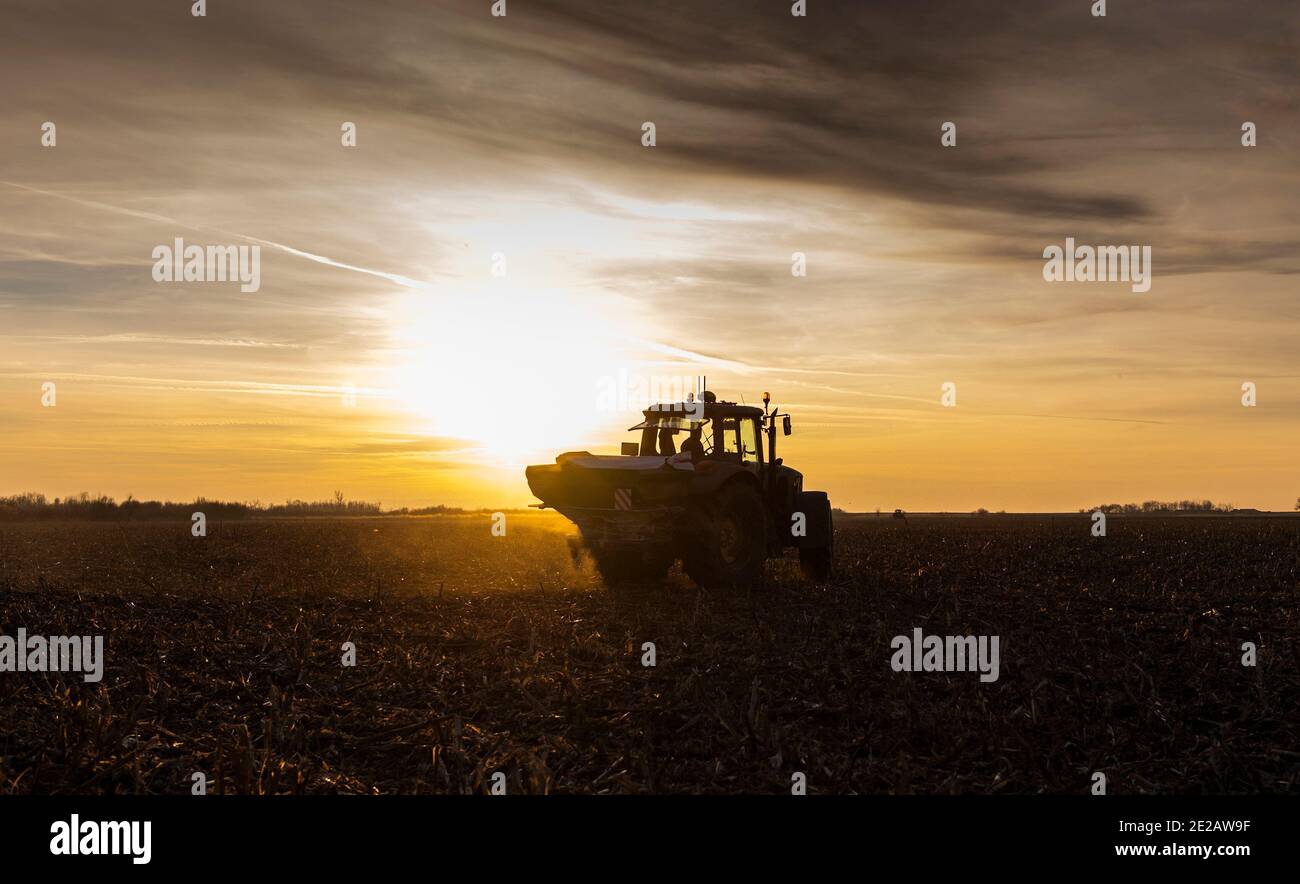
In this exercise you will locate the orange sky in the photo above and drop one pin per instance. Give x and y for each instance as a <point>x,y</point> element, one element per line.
<point>520,138</point>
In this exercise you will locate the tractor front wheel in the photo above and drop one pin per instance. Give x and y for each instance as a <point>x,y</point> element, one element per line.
<point>817,554</point>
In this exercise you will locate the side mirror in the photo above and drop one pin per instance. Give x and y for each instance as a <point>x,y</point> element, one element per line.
<point>785,424</point>
<point>631,449</point>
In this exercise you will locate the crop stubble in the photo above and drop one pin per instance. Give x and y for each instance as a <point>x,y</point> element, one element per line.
<point>478,654</point>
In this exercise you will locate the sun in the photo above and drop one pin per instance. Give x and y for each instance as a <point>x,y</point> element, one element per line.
<point>516,375</point>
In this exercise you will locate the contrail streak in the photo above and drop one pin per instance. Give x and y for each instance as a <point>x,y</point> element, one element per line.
<point>397,278</point>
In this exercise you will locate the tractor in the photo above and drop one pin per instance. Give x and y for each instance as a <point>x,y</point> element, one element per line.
<point>720,501</point>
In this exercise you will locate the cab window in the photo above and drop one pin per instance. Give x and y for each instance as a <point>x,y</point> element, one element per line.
<point>749,441</point>
<point>730,442</point>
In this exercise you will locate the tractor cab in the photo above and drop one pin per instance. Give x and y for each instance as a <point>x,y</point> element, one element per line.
<point>726,431</point>
<point>712,432</point>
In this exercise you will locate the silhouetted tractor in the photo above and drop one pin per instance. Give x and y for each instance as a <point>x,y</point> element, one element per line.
<point>718,501</point>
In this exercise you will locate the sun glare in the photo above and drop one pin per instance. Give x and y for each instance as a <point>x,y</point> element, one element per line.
<point>514,375</point>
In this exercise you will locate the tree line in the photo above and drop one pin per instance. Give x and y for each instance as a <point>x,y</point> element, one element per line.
<point>31,505</point>
<point>1163,506</point>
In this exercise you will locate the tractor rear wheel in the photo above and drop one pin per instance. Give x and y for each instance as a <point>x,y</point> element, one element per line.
<point>731,541</point>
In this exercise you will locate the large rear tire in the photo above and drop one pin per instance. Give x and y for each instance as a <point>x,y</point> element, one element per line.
<point>731,539</point>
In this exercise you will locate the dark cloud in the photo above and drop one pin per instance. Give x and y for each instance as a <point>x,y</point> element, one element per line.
<point>851,96</point>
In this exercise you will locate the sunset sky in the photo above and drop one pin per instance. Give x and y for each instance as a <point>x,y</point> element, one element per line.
<point>522,135</point>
